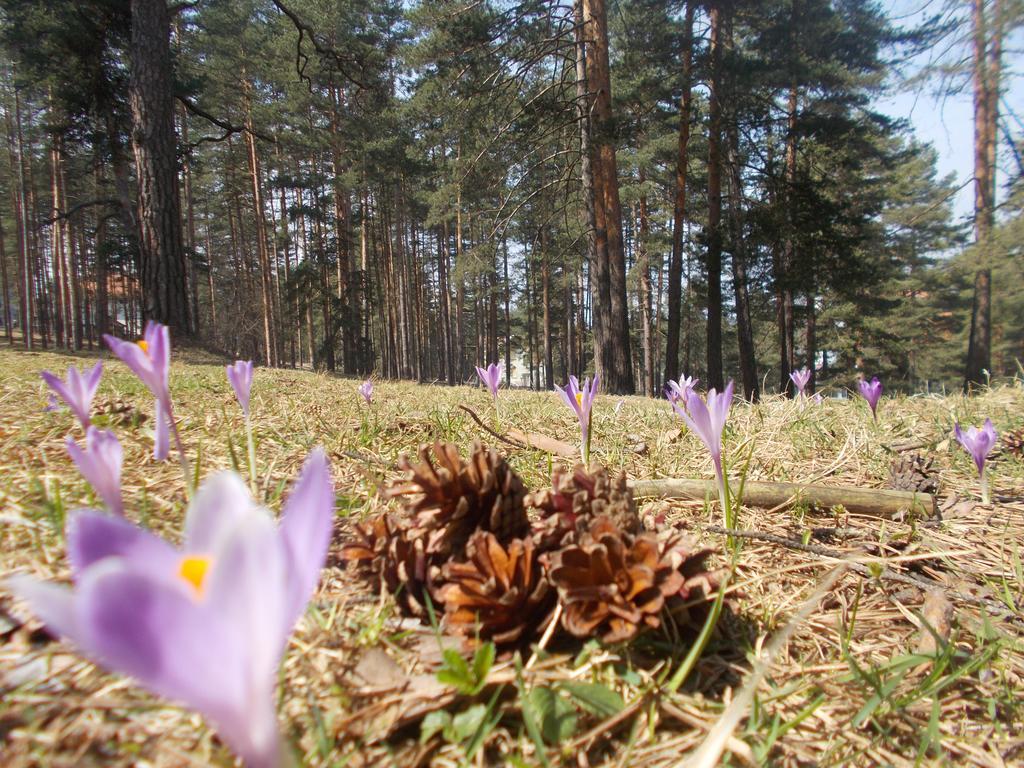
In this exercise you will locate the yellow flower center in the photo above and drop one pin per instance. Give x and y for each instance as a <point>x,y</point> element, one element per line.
<point>143,345</point>
<point>193,570</point>
<point>579,399</point>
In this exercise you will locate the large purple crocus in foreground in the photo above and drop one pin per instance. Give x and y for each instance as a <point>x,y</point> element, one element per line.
<point>150,360</point>
<point>581,400</point>
<point>100,465</point>
<point>978,443</point>
<point>206,625</point>
<point>800,379</point>
<point>872,392</point>
<point>77,390</point>
<point>707,420</point>
<point>491,378</point>
<point>240,379</point>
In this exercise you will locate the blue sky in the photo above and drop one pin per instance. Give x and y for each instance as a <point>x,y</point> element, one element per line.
<point>947,123</point>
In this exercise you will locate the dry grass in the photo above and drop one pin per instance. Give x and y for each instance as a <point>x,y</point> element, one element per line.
<point>845,689</point>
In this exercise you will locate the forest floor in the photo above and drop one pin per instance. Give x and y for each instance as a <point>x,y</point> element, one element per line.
<point>852,684</point>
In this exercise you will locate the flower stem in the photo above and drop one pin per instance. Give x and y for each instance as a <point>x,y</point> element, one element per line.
<point>252,453</point>
<point>586,443</point>
<point>985,498</point>
<point>179,446</point>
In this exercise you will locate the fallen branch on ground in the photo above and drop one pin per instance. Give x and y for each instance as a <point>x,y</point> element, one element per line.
<point>875,502</point>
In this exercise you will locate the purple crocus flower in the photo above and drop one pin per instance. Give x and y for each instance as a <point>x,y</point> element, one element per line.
<point>872,393</point>
<point>676,391</point>
<point>800,379</point>
<point>491,377</point>
<point>978,443</point>
<point>100,465</point>
<point>707,420</point>
<point>77,390</point>
<point>582,403</point>
<point>240,378</point>
<point>366,390</point>
<point>206,625</point>
<point>150,360</point>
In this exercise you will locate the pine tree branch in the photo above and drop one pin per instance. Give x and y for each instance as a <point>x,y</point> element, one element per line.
<point>229,128</point>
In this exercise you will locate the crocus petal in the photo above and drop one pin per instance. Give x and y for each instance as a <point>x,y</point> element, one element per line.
<point>93,536</point>
<point>698,419</point>
<point>306,525</point>
<point>219,506</point>
<point>248,589</point>
<point>92,380</point>
<point>155,631</point>
<point>151,365</point>
<point>100,465</point>
<point>77,390</point>
<point>568,393</point>
<point>158,337</point>
<point>53,604</point>
<point>162,432</point>
<point>240,378</point>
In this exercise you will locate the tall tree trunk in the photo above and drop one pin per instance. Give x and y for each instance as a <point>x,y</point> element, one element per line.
<point>151,97</point>
<point>508,322</point>
<point>988,34</point>
<point>7,291</point>
<point>675,264</point>
<point>714,251</point>
<point>597,267</point>
<point>811,341</point>
<point>545,287</point>
<point>744,329</point>
<point>618,369</point>
<point>262,254</point>
<point>22,204</point>
<point>191,271</point>
<point>643,264</point>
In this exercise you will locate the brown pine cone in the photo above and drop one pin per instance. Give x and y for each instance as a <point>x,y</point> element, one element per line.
<point>576,499</point>
<point>368,544</point>
<point>449,499</point>
<point>407,573</point>
<point>690,605</point>
<point>613,584</point>
<point>499,594</point>
<point>384,552</point>
<point>1013,442</point>
<point>913,472</point>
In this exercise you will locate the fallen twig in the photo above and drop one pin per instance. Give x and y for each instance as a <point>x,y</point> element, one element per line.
<point>491,432</point>
<point>875,502</point>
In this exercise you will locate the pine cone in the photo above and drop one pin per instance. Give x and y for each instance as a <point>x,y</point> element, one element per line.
<point>690,605</point>
<point>369,542</point>
<point>407,573</point>
<point>613,584</point>
<point>576,499</point>
<point>500,594</point>
<point>913,472</point>
<point>1013,442</point>
<point>451,499</point>
<point>386,553</point>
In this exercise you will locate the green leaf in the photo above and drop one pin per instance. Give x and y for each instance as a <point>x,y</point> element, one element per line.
<point>597,699</point>
<point>466,723</point>
<point>483,660</point>
<point>455,672</point>
<point>557,716</point>
<point>433,723</point>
